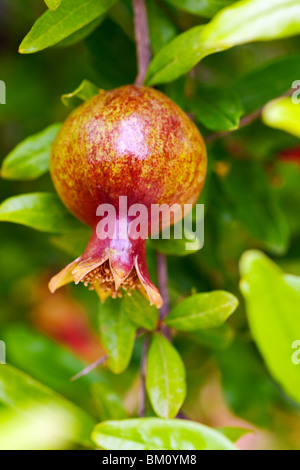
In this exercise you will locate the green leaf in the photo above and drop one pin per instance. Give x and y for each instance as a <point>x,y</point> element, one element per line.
<point>30,159</point>
<point>244,22</point>
<point>30,351</point>
<point>283,114</point>
<point>205,8</point>
<point>53,4</point>
<point>188,244</point>
<point>266,82</point>
<point>161,28</point>
<point>109,403</point>
<point>117,334</point>
<point>217,110</point>
<point>73,243</point>
<point>138,309</point>
<point>54,26</point>
<point>202,311</point>
<point>158,434</point>
<point>165,378</point>
<point>81,33</point>
<point>40,211</point>
<point>261,215</point>
<point>273,309</point>
<point>84,92</point>
<point>53,416</point>
<point>216,339</point>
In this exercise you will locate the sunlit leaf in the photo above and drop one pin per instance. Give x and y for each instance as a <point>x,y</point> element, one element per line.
<point>244,22</point>
<point>283,114</point>
<point>206,8</point>
<point>117,334</point>
<point>30,159</point>
<point>54,26</point>
<point>53,4</point>
<point>53,415</point>
<point>202,311</point>
<point>158,434</point>
<point>41,211</point>
<point>273,309</point>
<point>165,378</point>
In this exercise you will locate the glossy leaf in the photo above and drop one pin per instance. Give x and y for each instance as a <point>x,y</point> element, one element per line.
<point>205,8</point>
<point>216,339</point>
<point>266,82</point>
<point>261,215</point>
<point>165,378</point>
<point>40,211</point>
<point>246,21</point>
<point>158,434</point>
<point>283,114</point>
<point>273,309</point>
<point>117,334</point>
<point>161,28</point>
<point>138,309</point>
<point>202,311</point>
<point>84,92</point>
<point>53,4</point>
<point>53,415</point>
<point>54,26</point>
<point>217,110</point>
<point>81,34</point>
<point>30,159</point>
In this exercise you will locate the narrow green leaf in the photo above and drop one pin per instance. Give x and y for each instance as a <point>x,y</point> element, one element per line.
<point>54,26</point>
<point>273,309</point>
<point>217,110</point>
<point>53,4</point>
<point>283,114</point>
<point>40,211</point>
<point>54,417</point>
<point>246,21</point>
<point>81,33</point>
<point>138,309</point>
<point>84,92</point>
<point>202,311</point>
<point>30,159</point>
<point>117,334</point>
<point>165,378</point>
<point>158,434</point>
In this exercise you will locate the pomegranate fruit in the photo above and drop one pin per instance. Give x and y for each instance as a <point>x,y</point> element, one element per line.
<point>134,142</point>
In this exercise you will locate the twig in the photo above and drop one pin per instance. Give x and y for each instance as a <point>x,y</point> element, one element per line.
<point>245,121</point>
<point>89,368</point>
<point>142,400</point>
<point>162,273</point>
<point>142,39</point>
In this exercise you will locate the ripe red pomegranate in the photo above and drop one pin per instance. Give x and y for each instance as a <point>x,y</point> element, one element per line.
<point>134,142</point>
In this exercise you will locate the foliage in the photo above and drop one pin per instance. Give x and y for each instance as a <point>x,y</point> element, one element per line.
<point>234,312</point>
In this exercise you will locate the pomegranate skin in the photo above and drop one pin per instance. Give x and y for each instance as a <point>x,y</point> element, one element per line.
<point>132,141</point>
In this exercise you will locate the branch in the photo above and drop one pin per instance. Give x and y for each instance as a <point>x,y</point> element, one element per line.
<point>89,368</point>
<point>142,400</point>
<point>163,288</point>
<point>245,121</point>
<point>142,39</point>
